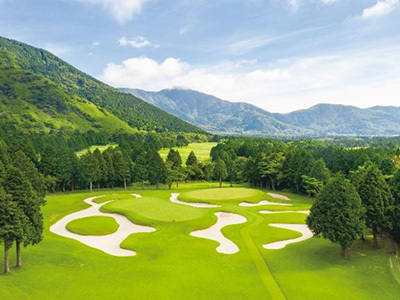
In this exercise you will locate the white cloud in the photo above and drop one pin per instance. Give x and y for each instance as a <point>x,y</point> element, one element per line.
<point>362,78</point>
<point>121,10</point>
<point>95,44</point>
<point>327,2</point>
<point>185,29</point>
<point>381,8</point>
<point>137,42</point>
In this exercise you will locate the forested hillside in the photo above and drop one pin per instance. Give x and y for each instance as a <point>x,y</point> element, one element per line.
<point>40,91</point>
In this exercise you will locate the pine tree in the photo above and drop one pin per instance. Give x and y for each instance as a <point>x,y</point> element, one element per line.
<point>140,171</point>
<point>337,214</point>
<point>395,189</point>
<point>156,168</point>
<point>122,167</point>
<point>89,169</point>
<point>377,200</point>
<point>192,159</point>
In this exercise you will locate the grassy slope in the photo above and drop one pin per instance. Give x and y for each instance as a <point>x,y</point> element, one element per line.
<point>93,226</point>
<point>92,148</point>
<point>202,151</point>
<point>170,264</point>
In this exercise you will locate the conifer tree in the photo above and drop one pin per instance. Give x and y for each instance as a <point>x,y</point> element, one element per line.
<point>337,214</point>
<point>220,172</point>
<point>192,159</point>
<point>140,172</point>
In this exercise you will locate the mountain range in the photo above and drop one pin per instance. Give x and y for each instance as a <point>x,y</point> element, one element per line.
<point>223,117</point>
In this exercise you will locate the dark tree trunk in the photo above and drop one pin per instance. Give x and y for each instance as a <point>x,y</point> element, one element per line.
<point>98,184</point>
<point>220,182</point>
<point>272,181</point>
<point>169,185</point>
<point>124,183</point>
<point>6,260</point>
<point>363,237</point>
<point>63,188</point>
<point>375,234</point>
<point>19,259</point>
<point>142,185</point>
<point>177,184</point>
<point>345,252</point>
<point>157,185</point>
<point>91,186</point>
<point>231,184</point>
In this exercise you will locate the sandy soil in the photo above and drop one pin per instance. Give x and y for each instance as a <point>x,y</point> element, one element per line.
<point>109,244</point>
<point>303,229</point>
<point>174,199</point>
<point>306,212</point>
<point>278,196</point>
<point>264,202</point>
<point>214,232</point>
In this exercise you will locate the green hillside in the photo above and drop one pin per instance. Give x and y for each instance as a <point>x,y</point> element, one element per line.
<point>40,92</point>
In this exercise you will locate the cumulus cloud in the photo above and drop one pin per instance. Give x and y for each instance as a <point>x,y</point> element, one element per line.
<point>380,9</point>
<point>137,42</point>
<point>95,44</point>
<point>121,10</point>
<point>358,78</point>
<point>58,49</point>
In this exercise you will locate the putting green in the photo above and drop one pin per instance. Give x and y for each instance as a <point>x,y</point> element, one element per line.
<point>223,194</point>
<point>152,208</point>
<point>93,226</point>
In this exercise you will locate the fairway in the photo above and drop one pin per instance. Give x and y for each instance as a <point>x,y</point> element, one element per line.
<point>202,151</point>
<point>170,263</point>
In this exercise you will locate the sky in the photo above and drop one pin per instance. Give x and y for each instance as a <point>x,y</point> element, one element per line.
<point>281,55</point>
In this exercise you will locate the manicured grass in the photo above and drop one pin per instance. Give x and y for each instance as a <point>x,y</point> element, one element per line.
<point>170,264</point>
<point>218,194</point>
<point>93,226</point>
<point>152,208</point>
<point>92,148</point>
<point>202,151</point>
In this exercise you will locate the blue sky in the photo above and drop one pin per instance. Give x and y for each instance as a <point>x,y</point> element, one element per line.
<point>280,55</point>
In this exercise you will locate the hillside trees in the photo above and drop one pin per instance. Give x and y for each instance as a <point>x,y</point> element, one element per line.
<point>220,172</point>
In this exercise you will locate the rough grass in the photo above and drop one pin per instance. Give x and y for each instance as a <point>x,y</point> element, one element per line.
<point>92,148</point>
<point>202,151</point>
<point>170,264</point>
<point>97,225</point>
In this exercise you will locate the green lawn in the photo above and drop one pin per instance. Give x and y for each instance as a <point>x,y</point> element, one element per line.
<point>92,148</point>
<point>170,264</point>
<point>97,225</point>
<point>202,151</point>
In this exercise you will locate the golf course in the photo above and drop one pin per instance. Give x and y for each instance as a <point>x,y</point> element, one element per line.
<point>192,242</point>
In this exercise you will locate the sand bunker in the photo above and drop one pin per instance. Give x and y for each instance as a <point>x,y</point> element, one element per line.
<point>264,202</point>
<point>278,196</point>
<point>137,195</point>
<point>303,229</point>
<point>174,199</point>
<point>109,244</point>
<point>214,232</point>
<point>306,212</point>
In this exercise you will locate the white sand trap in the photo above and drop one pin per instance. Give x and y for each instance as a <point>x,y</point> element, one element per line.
<point>174,199</point>
<point>303,229</point>
<point>264,202</point>
<point>214,232</point>
<point>278,196</point>
<point>109,244</point>
<point>267,212</point>
<point>137,195</point>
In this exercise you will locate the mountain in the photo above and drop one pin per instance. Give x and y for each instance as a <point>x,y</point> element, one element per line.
<point>224,117</point>
<point>42,93</point>
<point>216,115</point>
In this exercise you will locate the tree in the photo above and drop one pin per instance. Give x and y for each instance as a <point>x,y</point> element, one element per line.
<point>395,189</point>
<point>337,214</point>
<point>192,159</point>
<point>12,220</point>
<point>122,167</point>
<point>89,168</point>
<point>29,202</point>
<point>320,171</point>
<point>156,168</point>
<point>220,172</point>
<point>269,166</point>
<point>377,200</point>
<point>140,172</point>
